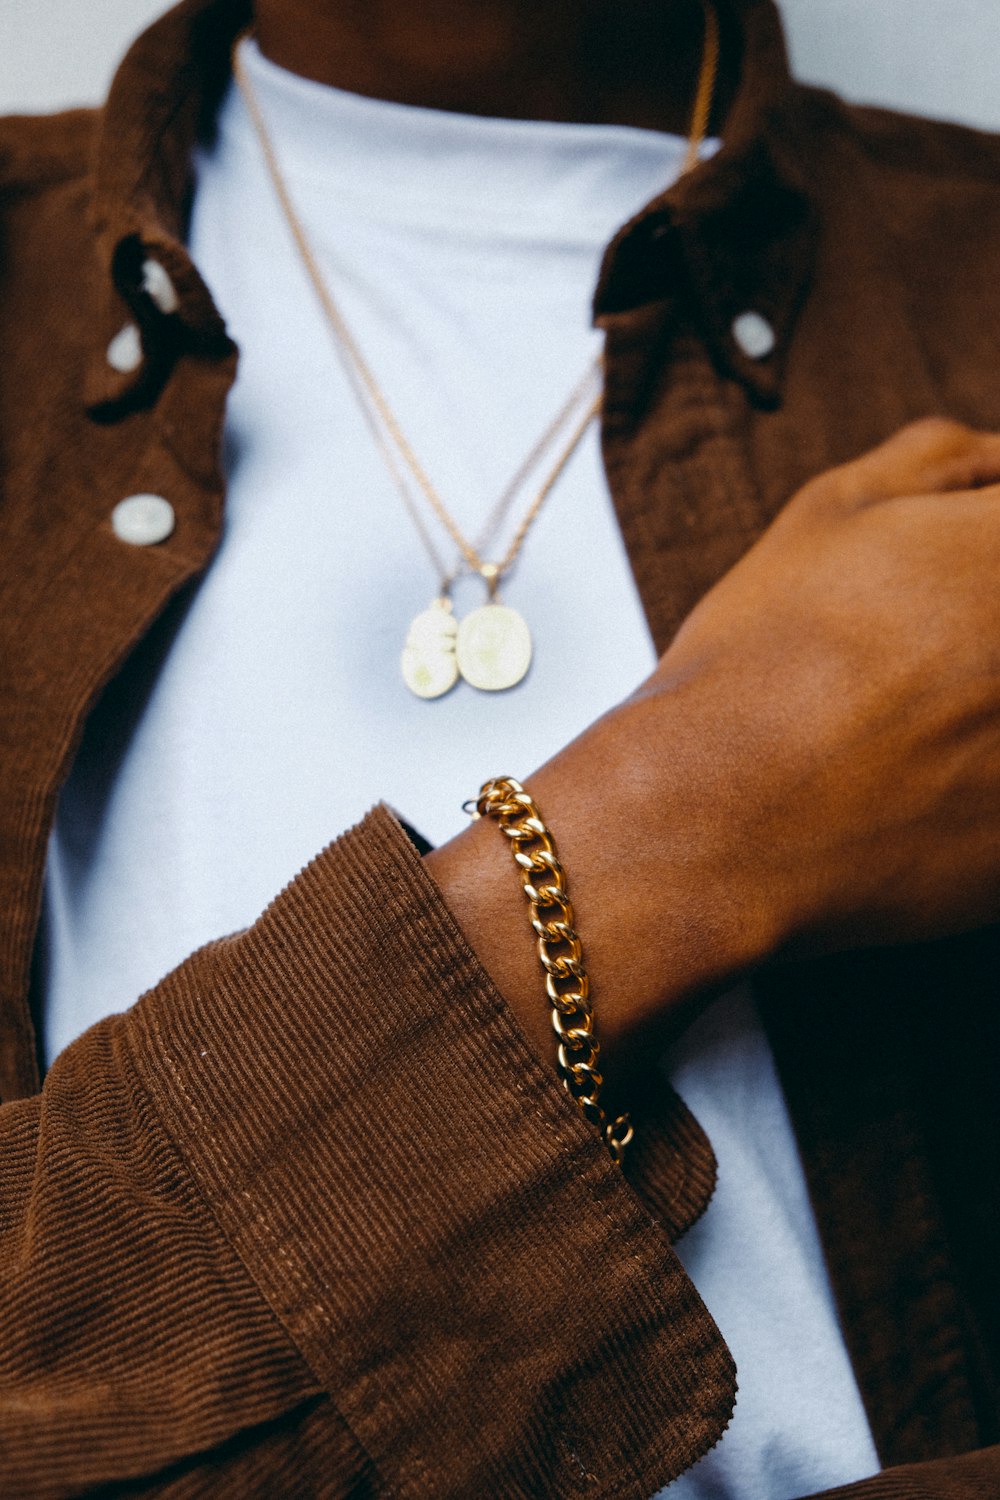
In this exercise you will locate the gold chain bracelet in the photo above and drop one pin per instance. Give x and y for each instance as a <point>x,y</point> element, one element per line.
<point>559,949</point>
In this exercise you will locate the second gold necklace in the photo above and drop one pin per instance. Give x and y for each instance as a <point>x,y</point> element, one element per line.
<point>491,647</point>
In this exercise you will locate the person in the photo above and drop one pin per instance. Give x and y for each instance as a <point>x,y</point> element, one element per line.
<point>313,1214</point>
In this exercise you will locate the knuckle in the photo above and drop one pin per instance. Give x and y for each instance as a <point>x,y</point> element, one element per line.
<point>948,455</point>
<point>935,454</point>
<point>822,491</point>
<point>938,436</point>
<point>826,492</point>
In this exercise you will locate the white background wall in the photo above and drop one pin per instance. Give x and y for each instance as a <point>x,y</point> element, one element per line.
<point>937,57</point>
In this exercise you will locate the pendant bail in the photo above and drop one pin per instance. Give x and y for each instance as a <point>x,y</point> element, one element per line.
<point>490,573</point>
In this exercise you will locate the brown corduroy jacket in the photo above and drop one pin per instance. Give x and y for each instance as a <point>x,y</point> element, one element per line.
<point>311,1219</point>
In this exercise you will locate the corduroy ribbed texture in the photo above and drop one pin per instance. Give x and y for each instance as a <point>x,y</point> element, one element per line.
<point>130,1335</point>
<point>430,1125</point>
<point>311,1219</point>
<point>970,1477</point>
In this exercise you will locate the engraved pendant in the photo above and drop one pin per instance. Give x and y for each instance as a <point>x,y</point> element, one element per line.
<point>428,662</point>
<point>493,648</point>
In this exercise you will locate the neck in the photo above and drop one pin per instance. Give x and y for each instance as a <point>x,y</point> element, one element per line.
<point>629,62</point>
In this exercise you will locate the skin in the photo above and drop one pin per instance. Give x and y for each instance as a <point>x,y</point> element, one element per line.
<point>713,823</point>
<point>554,60</point>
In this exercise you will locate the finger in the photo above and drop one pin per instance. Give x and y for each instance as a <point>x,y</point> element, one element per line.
<point>933,456</point>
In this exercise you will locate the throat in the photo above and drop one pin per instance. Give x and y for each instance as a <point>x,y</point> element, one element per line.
<point>627,62</point>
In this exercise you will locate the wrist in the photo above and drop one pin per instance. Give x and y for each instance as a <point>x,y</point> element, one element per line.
<point>651,850</point>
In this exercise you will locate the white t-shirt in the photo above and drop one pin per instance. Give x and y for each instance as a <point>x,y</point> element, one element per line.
<point>265,712</point>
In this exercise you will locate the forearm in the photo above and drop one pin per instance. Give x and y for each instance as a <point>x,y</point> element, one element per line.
<point>648,822</point>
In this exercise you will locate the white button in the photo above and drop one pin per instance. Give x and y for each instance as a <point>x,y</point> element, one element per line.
<point>158,287</point>
<point>143,520</point>
<point>754,335</point>
<point>125,350</point>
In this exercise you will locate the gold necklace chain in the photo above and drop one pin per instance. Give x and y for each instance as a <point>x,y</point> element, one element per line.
<point>473,559</point>
<point>430,669</point>
<point>365,376</point>
<point>701,113</point>
<point>370,392</point>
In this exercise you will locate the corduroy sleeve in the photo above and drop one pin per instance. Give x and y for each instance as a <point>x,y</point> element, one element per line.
<point>968,1476</point>
<point>318,1177</point>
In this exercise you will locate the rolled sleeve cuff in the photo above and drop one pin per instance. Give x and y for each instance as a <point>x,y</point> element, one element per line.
<point>487,1301</point>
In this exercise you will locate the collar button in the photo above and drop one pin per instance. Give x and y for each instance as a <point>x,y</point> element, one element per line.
<point>124,353</point>
<point>159,288</point>
<point>143,520</point>
<point>753,335</point>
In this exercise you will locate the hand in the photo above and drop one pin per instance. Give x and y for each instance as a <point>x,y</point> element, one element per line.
<point>815,762</point>
<point>858,646</point>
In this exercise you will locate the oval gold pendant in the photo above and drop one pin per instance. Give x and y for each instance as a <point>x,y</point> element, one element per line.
<point>428,661</point>
<point>493,648</point>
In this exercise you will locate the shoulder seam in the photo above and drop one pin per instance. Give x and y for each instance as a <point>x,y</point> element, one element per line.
<point>909,143</point>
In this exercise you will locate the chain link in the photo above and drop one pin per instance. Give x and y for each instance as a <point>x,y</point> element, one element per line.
<point>400,458</point>
<point>395,448</point>
<point>560,952</point>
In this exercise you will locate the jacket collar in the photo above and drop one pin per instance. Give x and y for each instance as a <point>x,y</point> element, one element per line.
<point>735,235</point>
<point>162,100</point>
